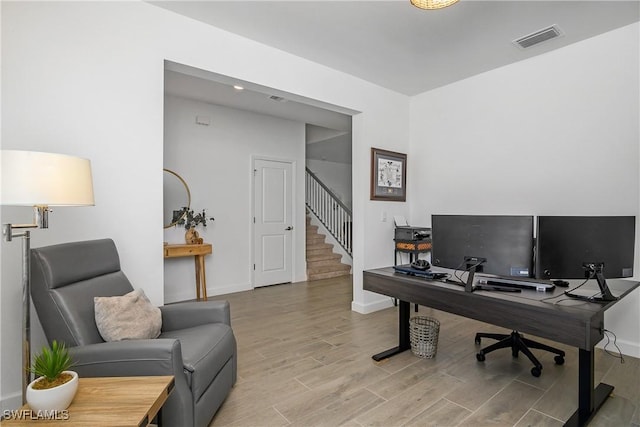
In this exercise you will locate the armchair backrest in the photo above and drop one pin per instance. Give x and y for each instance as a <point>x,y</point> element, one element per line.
<point>64,280</point>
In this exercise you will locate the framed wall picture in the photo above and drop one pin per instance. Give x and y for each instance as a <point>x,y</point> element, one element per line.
<point>388,175</point>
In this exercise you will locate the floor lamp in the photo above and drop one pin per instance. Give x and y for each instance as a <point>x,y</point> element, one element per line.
<point>40,180</point>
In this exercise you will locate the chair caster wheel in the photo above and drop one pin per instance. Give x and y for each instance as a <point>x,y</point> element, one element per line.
<point>480,357</point>
<point>478,340</point>
<point>536,372</point>
<point>559,360</point>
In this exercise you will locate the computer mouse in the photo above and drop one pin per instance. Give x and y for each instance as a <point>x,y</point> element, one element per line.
<point>421,264</point>
<point>561,283</point>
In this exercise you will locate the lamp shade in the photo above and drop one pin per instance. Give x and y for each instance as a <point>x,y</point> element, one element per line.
<point>31,178</point>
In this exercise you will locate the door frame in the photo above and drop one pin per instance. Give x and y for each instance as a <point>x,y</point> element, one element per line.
<point>294,214</point>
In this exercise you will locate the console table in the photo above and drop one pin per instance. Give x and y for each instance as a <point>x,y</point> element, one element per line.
<point>578,325</point>
<point>198,251</point>
<point>105,401</point>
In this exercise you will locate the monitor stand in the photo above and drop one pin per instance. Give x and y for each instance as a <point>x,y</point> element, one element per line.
<point>473,265</point>
<point>595,270</point>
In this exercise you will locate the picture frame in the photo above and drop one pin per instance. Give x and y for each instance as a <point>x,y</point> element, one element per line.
<point>388,175</point>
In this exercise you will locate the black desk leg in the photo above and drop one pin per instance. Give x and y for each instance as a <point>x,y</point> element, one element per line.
<point>589,400</point>
<point>403,333</point>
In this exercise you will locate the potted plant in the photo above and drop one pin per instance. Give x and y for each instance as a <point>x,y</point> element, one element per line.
<point>55,385</point>
<point>190,220</point>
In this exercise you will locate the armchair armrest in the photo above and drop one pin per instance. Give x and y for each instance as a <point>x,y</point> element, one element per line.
<point>128,358</point>
<point>189,314</point>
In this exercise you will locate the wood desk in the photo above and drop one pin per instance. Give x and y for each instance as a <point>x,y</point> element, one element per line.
<point>198,252</point>
<point>575,323</point>
<point>106,401</point>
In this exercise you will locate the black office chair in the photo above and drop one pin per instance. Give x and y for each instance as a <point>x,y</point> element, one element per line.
<point>518,343</point>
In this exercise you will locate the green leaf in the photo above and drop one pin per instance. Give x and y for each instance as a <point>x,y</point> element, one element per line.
<point>51,362</point>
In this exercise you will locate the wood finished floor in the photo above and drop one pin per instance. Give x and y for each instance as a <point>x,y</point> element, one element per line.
<point>304,359</point>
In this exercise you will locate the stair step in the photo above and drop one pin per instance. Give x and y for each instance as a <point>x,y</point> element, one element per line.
<point>315,238</point>
<point>315,252</point>
<point>318,248</point>
<point>329,268</point>
<point>325,256</point>
<point>317,244</point>
<point>323,262</point>
<point>329,275</point>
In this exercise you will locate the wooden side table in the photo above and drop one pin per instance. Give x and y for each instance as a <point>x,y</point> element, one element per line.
<point>413,247</point>
<point>105,401</point>
<point>198,251</point>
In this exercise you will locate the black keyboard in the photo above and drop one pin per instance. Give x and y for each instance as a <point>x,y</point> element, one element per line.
<point>427,274</point>
<point>519,283</point>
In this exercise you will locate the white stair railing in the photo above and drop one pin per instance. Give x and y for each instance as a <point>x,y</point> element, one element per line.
<point>330,211</point>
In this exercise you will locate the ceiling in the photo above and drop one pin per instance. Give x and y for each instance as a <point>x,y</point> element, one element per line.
<point>328,127</point>
<point>389,43</point>
<point>405,49</point>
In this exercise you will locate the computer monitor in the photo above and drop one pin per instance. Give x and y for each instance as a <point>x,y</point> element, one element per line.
<point>577,247</point>
<point>566,243</point>
<point>505,242</point>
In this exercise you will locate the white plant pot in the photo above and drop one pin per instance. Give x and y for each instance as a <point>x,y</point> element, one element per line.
<point>54,399</point>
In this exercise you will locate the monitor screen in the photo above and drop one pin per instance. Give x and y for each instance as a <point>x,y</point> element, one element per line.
<point>565,243</point>
<point>506,242</point>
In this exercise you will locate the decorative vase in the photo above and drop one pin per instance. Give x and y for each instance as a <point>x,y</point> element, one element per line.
<point>192,237</point>
<point>53,399</point>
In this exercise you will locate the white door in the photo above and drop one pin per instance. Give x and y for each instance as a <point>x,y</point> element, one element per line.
<point>273,222</point>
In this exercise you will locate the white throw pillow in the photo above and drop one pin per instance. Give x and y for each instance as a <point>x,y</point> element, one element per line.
<point>127,317</point>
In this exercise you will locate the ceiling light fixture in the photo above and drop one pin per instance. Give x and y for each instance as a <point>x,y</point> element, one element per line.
<point>238,87</point>
<point>432,4</point>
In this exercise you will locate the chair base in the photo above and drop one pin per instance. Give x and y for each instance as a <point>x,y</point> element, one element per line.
<point>518,344</point>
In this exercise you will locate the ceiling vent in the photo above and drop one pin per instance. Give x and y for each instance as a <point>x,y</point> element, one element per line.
<point>277,98</point>
<point>538,37</point>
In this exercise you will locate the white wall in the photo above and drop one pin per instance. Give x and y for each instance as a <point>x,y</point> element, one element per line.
<point>1,222</point>
<point>557,134</point>
<point>336,176</point>
<point>216,162</point>
<point>86,78</point>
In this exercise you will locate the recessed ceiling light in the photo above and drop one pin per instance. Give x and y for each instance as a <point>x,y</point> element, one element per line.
<point>238,87</point>
<point>432,4</point>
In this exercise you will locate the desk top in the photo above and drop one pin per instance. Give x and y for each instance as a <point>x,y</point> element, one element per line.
<point>569,321</point>
<point>108,401</point>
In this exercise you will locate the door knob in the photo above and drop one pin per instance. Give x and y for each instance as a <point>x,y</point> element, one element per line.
<point>289,228</point>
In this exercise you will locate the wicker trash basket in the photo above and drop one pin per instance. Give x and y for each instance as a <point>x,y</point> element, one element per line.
<point>423,335</point>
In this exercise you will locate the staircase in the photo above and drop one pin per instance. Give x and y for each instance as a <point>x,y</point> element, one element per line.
<point>322,263</point>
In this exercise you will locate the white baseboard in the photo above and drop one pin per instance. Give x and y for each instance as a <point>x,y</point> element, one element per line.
<point>371,307</point>
<point>627,348</point>
<point>229,289</point>
<point>12,401</point>
<point>189,294</point>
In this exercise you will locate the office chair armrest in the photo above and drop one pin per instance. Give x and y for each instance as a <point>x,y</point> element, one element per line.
<point>188,314</point>
<point>128,358</point>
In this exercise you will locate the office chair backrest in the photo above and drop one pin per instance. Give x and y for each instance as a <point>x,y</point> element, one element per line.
<point>64,280</point>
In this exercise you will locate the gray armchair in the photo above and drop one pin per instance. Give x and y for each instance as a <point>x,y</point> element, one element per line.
<point>196,345</point>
